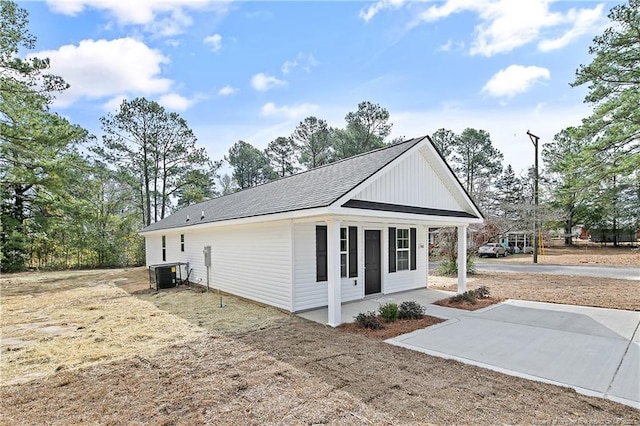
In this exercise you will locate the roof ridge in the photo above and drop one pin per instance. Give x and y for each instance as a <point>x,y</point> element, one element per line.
<point>299,192</point>
<point>281,178</point>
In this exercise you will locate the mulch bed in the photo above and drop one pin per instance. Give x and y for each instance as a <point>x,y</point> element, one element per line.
<point>480,303</point>
<point>391,329</point>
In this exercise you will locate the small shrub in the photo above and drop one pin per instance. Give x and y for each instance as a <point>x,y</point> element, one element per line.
<point>411,310</point>
<point>467,296</point>
<point>449,267</point>
<point>482,292</point>
<point>368,320</point>
<point>389,312</point>
<point>472,296</point>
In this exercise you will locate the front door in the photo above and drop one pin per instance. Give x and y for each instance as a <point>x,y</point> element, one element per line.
<point>372,268</point>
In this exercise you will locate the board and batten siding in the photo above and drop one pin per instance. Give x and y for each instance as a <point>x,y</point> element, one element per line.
<point>308,292</point>
<point>411,182</point>
<point>251,261</point>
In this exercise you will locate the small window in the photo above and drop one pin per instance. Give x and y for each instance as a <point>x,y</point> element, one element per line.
<point>181,242</point>
<point>164,248</point>
<point>344,252</point>
<point>402,249</point>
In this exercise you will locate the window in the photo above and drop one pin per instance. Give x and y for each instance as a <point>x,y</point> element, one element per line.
<point>181,242</point>
<point>164,248</point>
<point>344,252</point>
<point>348,252</point>
<point>402,249</point>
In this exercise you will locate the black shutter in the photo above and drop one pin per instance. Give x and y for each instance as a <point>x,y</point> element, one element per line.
<point>392,249</point>
<point>353,251</point>
<point>412,249</point>
<point>321,253</point>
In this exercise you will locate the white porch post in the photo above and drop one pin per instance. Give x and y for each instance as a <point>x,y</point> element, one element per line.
<point>462,259</point>
<point>333,272</point>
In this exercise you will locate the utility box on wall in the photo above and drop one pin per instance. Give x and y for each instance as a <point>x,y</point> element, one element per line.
<point>207,256</point>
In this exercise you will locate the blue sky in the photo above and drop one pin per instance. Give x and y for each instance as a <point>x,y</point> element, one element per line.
<point>252,70</point>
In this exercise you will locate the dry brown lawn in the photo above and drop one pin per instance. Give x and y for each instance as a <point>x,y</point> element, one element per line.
<point>101,348</point>
<point>581,254</point>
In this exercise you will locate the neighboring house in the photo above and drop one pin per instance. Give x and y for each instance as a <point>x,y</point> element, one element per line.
<point>326,236</point>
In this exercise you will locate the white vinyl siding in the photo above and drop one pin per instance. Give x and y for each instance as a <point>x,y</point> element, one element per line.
<point>252,261</point>
<point>153,249</point>
<point>405,280</point>
<point>310,294</point>
<point>411,182</point>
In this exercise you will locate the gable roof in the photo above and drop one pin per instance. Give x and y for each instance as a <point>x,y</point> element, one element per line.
<point>319,187</point>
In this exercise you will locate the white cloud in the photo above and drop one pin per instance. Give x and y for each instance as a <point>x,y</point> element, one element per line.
<point>165,17</point>
<point>584,20</point>
<point>214,41</point>
<point>450,46</point>
<point>114,103</point>
<point>227,90</point>
<point>514,79</point>
<point>508,24</point>
<point>290,112</point>
<point>288,66</point>
<point>176,102</point>
<point>372,10</point>
<point>305,61</point>
<point>100,68</point>
<point>263,82</point>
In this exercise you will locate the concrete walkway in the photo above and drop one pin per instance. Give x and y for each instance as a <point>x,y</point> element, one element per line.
<point>593,350</point>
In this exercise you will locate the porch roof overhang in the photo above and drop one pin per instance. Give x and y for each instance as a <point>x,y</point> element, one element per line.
<point>356,210</point>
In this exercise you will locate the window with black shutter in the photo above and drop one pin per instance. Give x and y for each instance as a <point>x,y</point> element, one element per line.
<point>392,249</point>
<point>402,249</point>
<point>353,252</point>
<point>412,250</point>
<point>321,253</point>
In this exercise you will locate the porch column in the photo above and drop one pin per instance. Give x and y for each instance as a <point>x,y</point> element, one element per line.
<point>333,272</point>
<point>462,259</point>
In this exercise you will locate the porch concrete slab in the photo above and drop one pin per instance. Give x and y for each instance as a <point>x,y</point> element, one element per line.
<point>424,296</point>
<point>590,349</point>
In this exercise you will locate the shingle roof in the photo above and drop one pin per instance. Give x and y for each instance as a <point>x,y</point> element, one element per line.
<point>319,187</point>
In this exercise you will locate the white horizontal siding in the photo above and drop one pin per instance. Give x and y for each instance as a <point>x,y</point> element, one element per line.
<point>411,182</point>
<point>153,249</point>
<point>249,261</point>
<point>308,293</point>
<point>393,282</point>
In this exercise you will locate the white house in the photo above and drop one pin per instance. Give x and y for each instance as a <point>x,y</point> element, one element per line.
<point>329,235</point>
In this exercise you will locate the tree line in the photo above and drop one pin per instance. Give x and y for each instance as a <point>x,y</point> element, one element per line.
<point>69,199</point>
<point>312,143</point>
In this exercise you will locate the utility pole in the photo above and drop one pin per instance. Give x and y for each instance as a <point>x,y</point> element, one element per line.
<point>535,139</point>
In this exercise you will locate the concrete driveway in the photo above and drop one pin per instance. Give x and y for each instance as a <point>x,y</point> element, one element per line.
<point>593,350</point>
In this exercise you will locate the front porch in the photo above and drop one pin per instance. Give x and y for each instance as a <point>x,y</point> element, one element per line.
<point>424,296</point>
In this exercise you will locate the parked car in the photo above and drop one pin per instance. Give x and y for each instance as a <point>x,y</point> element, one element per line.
<point>492,250</point>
